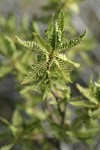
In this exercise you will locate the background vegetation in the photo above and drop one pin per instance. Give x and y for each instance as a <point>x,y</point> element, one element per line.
<point>28,122</point>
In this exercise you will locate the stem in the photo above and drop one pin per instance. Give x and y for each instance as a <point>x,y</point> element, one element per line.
<point>48,65</point>
<point>48,107</point>
<point>64,114</point>
<point>58,104</point>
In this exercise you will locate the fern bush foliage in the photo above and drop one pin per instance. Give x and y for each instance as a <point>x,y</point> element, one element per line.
<point>51,66</point>
<point>48,123</point>
<point>70,8</point>
<point>91,94</point>
<point>85,126</point>
<point>10,50</point>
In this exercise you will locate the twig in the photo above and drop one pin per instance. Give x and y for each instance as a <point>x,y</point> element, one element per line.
<point>64,114</point>
<point>58,104</point>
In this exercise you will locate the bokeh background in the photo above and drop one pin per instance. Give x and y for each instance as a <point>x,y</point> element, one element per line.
<point>86,15</point>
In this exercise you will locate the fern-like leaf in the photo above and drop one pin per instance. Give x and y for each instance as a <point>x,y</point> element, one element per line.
<point>50,32</point>
<point>59,84</point>
<point>60,21</point>
<point>73,42</point>
<point>29,78</point>
<point>33,45</point>
<point>82,104</point>
<point>37,72</point>
<point>87,93</point>
<point>42,42</point>
<point>65,59</point>
<point>64,70</point>
<point>51,66</point>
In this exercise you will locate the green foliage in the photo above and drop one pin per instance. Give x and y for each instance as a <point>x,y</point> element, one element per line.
<point>46,72</point>
<point>7,147</point>
<point>91,98</point>
<point>13,60</point>
<point>73,42</point>
<point>85,125</point>
<point>92,93</point>
<point>43,70</point>
<point>70,8</point>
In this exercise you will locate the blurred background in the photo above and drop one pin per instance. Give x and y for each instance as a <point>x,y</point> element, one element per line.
<point>21,18</point>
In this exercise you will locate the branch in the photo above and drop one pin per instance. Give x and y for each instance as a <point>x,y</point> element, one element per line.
<point>58,104</point>
<point>64,114</point>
